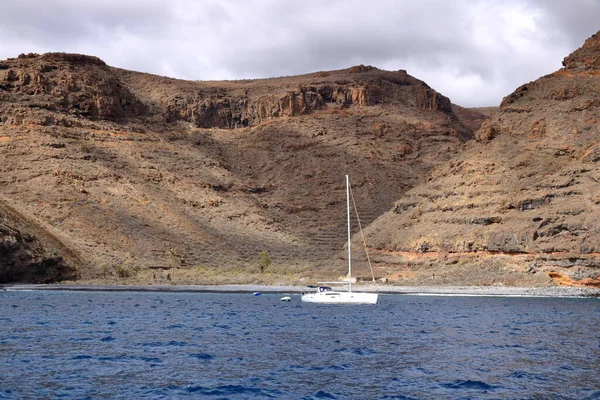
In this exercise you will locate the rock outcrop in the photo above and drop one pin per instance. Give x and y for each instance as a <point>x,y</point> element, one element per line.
<point>61,89</point>
<point>246,103</point>
<point>26,254</point>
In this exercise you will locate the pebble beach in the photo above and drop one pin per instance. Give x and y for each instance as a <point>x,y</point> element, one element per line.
<point>505,291</point>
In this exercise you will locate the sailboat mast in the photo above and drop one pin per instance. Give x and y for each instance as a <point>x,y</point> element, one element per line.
<point>349,249</point>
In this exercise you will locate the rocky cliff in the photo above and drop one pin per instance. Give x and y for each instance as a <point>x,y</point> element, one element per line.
<point>60,89</point>
<point>84,87</point>
<point>251,102</point>
<point>520,205</point>
<point>136,174</point>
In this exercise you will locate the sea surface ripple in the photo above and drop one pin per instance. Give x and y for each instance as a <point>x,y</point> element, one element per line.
<point>90,345</point>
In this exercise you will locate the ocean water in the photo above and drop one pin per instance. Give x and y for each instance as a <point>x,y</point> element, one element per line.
<point>102,345</point>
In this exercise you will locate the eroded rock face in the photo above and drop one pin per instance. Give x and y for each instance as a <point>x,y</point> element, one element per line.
<point>23,258</point>
<point>586,58</point>
<point>58,83</point>
<point>232,112</point>
<point>525,198</point>
<point>249,103</point>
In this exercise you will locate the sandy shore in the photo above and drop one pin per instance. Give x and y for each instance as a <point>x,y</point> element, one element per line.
<point>558,291</point>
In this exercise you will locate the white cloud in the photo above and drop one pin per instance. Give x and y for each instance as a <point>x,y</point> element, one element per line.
<point>475,52</point>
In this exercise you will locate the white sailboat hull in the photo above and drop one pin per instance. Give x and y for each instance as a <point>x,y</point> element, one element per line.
<point>332,297</point>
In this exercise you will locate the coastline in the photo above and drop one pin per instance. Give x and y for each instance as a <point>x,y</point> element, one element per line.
<point>498,291</point>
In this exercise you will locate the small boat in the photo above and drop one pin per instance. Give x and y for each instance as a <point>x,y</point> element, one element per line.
<point>286,298</point>
<point>256,294</point>
<point>326,295</point>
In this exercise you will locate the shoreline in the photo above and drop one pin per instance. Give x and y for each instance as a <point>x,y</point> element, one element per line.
<point>496,291</point>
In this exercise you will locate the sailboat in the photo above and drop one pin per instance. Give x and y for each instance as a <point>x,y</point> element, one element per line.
<point>326,295</point>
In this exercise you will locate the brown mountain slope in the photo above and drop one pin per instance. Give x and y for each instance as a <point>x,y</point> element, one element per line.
<point>135,171</point>
<point>523,201</point>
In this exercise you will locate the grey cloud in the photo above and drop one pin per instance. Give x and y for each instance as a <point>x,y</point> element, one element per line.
<point>335,36</point>
<point>62,22</point>
<point>570,21</point>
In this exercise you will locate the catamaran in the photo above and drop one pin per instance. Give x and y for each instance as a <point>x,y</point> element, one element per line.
<point>326,295</point>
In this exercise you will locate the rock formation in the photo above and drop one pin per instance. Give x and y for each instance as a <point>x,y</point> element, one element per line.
<point>31,254</point>
<point>60,88</point>
<point>246,103</point>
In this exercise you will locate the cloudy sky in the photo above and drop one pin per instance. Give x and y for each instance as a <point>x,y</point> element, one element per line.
<point>473,51</point>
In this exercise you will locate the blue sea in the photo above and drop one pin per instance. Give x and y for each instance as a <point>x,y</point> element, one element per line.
<point>106,345</point>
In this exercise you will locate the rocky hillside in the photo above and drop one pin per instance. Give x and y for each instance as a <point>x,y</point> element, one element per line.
<point>134,173</point>
<point>522,204</point>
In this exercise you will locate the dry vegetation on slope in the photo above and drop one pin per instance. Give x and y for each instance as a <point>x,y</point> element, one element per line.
<point>130,171</point>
